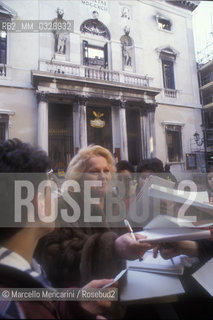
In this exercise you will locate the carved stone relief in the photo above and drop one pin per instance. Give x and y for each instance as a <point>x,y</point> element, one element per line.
<point>95,27</point>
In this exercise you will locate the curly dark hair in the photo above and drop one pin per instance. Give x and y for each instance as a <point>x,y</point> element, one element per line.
<point>16,156</point>
<point>124,165</point>
<point>18,161</point>
<point>153,164</point>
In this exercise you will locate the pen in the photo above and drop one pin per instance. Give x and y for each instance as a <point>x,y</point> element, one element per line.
<point>130,231</point>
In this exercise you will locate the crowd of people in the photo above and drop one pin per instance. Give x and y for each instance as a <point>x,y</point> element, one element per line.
<point>74,254</point>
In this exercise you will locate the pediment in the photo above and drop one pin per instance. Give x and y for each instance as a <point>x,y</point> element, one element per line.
<point>167,50</point>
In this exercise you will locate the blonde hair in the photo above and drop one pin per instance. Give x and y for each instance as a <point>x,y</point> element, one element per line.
<point>77,165</point>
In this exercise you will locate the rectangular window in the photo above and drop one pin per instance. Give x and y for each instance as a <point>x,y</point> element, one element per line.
<point>164,24</point>
<point>174,143</point>
<point>3,127</point>
<point>94,55</point>
<point>3,52</point>
<point>168,74</point>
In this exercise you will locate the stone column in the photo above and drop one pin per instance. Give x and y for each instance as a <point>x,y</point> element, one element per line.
<point>147,122</point>
<point>43,122</point>
<point>123,128</point>
<point>144,133</point>
<point>75,124</point>
<point>82,121</point>
<point>152,146</point>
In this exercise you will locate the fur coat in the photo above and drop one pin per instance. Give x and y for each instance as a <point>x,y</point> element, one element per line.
<point>73,255</point>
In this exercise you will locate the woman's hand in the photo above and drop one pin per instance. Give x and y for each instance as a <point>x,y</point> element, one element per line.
<point>173,249</point>
<point>127,248</point>
<point>97,307</point>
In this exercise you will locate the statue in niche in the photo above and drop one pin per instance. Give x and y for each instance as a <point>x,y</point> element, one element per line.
<point>125,13</point>
<point>60,35</point>
<point>127,47</point>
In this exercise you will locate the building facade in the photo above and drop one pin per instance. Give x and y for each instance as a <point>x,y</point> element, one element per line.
<point>121,74</point>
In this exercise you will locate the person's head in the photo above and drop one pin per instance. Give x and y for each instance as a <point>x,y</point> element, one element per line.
<point>153,165</point>
<point>149,167</point>
<point>167,168</point>
<point>18,159</point>
<point>60,12</point>
<point>92,163</point>
<point>124,165</point>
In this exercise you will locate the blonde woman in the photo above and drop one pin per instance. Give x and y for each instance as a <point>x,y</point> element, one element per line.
<point>74,255</point>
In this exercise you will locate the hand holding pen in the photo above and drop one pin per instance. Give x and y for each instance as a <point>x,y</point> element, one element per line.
<point>127,247</point>
<point>130,231</point>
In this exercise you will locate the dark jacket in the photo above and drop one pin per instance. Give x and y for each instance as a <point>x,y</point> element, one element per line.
<point>14,278</point>
<point>205,249</point>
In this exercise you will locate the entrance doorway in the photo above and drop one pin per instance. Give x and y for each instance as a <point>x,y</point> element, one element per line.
<point>133,135</point>
<point>99,127</point>
<point>60,136</point>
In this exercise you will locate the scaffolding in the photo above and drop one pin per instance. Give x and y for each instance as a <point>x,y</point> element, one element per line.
<point>206,54</point>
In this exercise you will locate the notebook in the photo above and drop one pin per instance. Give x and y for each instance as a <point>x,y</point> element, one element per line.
<point>157,265</point>
<point>146,285</point>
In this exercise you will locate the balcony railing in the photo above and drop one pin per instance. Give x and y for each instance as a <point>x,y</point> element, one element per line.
<point>68,69</point>
<point>59,68</point>
<point>2,70</point>
<point>101,74</point>
<point>171,93</point>
<point>136,80</point>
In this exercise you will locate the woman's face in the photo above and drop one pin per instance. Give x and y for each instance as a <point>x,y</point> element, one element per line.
<point>210,179</point>
<point>97,169</point>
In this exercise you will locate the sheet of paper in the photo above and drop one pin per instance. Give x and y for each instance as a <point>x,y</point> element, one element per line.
<point>198,199</point>
<point>147,207</point>
<point>204,276</point>
<point>166,229</point>
<point>158,235</point>
<point>158,265</point>
<point>145,285</point>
